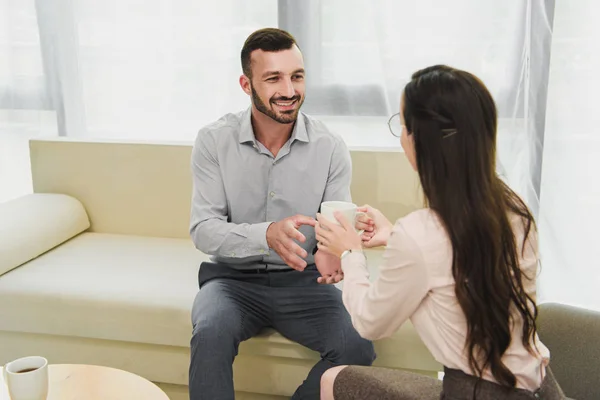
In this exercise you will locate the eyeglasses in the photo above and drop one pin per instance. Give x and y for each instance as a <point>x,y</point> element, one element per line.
<point>395,125</point>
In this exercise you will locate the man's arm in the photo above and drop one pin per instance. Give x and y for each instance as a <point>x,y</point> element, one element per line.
<point>209,229</point>
<point>340,177</point>
<point>340,174</point>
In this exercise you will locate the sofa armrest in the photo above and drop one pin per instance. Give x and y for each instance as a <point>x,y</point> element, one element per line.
<point>35,223</point>
<point>571,333</point>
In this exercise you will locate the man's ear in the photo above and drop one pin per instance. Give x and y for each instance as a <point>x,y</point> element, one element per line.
<point>245,84</point>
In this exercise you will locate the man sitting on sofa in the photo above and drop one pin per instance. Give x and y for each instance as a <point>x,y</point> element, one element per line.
<point>259,177</point>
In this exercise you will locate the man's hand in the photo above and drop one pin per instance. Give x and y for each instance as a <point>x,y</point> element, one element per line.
<point>330,268</point>
<point>280,238</point>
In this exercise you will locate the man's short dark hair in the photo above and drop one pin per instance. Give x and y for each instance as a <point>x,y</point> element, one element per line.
<point>267,39</point>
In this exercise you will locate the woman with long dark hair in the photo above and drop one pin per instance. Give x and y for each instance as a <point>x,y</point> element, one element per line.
<point>463,269</point>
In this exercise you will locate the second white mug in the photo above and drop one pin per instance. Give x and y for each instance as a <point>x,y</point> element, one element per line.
<point>27,378</point>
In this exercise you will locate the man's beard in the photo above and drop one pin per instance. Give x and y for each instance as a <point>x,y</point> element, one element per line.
<point>285,117</point>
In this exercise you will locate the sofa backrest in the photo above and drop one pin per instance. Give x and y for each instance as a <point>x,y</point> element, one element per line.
<point>145,188</point>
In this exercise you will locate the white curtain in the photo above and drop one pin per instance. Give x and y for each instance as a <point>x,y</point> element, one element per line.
<point>380,43</point>
<point>25,110</point>
<point>161,69</point>
<point>570,196</point>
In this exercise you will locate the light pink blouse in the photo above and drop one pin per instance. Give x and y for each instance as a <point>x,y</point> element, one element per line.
<point>415,281</point>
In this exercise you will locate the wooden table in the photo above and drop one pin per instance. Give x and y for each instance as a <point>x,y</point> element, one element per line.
<point>91,382</point>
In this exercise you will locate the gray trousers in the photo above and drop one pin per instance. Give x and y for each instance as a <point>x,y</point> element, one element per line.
<point>232,306</point>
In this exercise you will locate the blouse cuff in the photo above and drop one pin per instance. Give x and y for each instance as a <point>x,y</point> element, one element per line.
<point>355,263</point>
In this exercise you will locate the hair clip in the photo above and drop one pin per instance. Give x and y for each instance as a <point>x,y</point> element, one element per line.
<point>448,132</point>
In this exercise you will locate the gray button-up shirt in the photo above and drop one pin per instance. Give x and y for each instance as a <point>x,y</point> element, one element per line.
<point>239,188</point>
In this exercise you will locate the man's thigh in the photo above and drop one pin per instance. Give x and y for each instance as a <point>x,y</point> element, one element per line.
<point>314,316</point>
<point>229,308</point>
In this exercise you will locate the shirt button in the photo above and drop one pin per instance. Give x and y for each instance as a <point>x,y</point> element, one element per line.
<point>272,194</point>
<point>232,254</point>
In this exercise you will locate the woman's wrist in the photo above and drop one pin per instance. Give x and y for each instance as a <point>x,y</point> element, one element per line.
<point>351,251</point>
<point>389,228</point>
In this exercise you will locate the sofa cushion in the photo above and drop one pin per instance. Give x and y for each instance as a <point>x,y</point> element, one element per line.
<point>106,286</point>
<point>141,289</point>
<point>34,224</point>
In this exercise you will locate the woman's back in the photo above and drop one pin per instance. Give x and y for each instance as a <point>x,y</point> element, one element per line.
<point>439,319</point>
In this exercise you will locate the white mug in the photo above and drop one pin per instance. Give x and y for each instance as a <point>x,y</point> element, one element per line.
<point>27,378</point>
<point>328,209</point>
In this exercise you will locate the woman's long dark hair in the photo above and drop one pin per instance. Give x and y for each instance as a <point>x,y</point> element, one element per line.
<point>453,119</point>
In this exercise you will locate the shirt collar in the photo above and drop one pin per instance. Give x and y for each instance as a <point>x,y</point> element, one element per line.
<point>299,132</point>
<point>247,133</point>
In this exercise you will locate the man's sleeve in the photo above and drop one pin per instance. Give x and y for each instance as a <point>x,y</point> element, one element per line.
<point>340,176</point>
<point>209,227</point>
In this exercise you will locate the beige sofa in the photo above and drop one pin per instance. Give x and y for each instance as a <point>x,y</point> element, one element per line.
<point>97,266</point>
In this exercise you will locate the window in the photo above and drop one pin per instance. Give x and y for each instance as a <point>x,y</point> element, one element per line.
<point>570,190</point>
<point>22,80</point>
<point>360,54</point>
<point>25,107</point>
<point>159,69</point>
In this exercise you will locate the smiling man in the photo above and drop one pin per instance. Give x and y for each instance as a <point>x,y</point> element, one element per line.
<point>259,177</point>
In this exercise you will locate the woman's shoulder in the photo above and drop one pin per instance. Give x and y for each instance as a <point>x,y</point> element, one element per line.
<point>421,237</point>
<point>424,226</point>
<point>424,220</point>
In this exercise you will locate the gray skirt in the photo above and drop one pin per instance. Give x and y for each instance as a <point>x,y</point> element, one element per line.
<point>354,383</point>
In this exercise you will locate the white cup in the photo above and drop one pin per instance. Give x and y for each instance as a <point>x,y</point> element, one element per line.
<point>328,209</point>
<point>27,378</point>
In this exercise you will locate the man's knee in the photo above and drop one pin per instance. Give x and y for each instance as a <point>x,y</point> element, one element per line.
<point>351,350</point>
<point>359,351</point>
<point>216,329</point>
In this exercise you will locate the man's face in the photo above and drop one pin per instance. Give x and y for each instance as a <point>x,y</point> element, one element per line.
<point>277,84</point>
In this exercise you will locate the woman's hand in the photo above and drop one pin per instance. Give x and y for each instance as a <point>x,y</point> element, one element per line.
<point>334,239</point>
<point>381,227</point>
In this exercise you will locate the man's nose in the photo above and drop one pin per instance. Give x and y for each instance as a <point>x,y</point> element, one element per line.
<point>287,89</point>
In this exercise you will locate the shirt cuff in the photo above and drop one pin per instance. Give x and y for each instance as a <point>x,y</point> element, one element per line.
<point>258,236</point>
